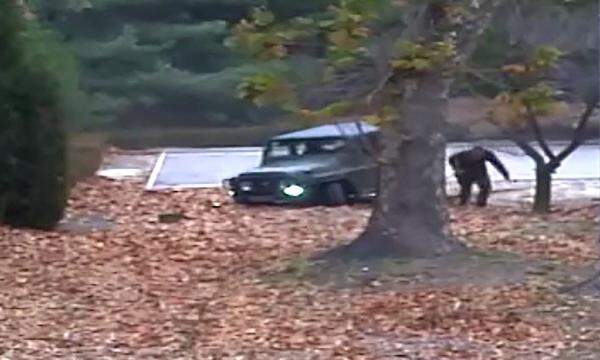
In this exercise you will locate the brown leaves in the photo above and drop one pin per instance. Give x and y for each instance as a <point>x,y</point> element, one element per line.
<point>345,323</point>
<point>565,235</point>
<point>142,288</point>
<point>130,287</point>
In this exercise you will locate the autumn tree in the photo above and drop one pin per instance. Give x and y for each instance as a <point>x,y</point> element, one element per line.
<point>527,95</point>
<point>416,48</point>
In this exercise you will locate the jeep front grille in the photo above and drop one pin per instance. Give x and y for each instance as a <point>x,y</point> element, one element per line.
<point>260,186</point>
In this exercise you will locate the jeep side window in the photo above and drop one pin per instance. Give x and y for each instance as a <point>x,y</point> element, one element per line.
<point>276,150</point>
<point>303,148</point>
<point>300,148</point>
<point>333,145</point>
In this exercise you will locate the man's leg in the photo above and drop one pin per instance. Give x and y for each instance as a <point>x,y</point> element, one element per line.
<point>465,190</point>
<point>485,187</point>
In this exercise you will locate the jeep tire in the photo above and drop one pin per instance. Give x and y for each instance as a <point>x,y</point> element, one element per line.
<point>240,199</point>
<point>335,194</point>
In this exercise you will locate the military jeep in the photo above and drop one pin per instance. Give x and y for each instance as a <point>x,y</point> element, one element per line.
<point>330,164</point>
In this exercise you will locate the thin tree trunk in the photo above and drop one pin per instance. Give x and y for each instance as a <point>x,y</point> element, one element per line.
<point>409,217</point>
<point>543,190</point>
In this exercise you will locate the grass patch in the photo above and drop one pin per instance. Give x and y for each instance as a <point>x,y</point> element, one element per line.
<point>84,155</point>
<point>469,267</point>
<point>298,268</point>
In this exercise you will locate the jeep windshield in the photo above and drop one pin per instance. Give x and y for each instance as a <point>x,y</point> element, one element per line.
<point>291,149</point>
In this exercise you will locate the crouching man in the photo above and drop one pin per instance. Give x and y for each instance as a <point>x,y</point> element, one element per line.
<point>469,168</point>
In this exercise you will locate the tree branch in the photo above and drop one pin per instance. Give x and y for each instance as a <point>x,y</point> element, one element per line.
<point>471,31</point>
<point>420,25</point>
<point>477,74</point>
<point>380,86</point>
<point>521,143</point>
<point>539,136</point>
<point>578,137</point>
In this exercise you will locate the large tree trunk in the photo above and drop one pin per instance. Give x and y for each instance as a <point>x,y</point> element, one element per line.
<point>543,189</point>
<point>409,217</point>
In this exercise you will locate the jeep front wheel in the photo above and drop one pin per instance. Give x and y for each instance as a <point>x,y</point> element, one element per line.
<point>336,195</point>
<point>240,199</point>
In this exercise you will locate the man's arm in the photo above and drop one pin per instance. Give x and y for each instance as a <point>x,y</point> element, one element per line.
<point>452,161</point>
<point>491,157</point>
<point>455,163</point>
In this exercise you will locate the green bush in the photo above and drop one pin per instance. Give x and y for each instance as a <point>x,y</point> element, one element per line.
<point>32,135</point>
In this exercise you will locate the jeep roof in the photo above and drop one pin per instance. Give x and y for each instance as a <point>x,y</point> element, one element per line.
<point>347,128</point>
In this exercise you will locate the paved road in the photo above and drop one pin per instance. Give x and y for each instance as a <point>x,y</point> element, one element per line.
<point>208,167</point>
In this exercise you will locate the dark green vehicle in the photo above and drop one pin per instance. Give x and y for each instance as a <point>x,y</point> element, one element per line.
<point>329,164</point>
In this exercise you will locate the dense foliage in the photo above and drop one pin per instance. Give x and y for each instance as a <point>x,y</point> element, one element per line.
<point>32,140</point>
<point>157,63</point>
<point>167,63</point>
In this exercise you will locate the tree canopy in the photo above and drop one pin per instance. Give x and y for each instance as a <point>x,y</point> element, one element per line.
<point>157,63</point>
<point>147,63</point>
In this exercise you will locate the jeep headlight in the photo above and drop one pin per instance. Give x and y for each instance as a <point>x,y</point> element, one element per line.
<point>293,190</point>
<point>245,186</point>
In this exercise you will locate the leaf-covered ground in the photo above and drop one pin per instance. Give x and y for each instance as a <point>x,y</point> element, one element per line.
<point>114,282</point>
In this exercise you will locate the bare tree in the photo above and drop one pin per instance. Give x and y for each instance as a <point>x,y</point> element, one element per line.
<point>535,97</point>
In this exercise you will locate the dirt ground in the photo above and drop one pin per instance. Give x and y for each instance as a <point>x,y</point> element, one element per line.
<point>188,274</point>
